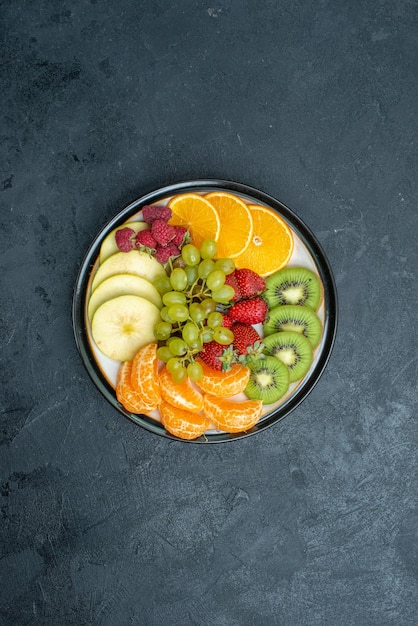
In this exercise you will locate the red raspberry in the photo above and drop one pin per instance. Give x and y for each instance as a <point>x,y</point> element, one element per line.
<point>163,253</point>
<point>125,239</point>
<point>144,239</point>
<point>181,236</point>
<point>162,232</point>
<point>157,212</point>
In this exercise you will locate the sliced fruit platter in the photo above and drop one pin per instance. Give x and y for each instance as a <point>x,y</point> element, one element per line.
<point>205,311</point>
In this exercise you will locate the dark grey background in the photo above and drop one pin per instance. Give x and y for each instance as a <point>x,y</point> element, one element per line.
<point>314,521</point>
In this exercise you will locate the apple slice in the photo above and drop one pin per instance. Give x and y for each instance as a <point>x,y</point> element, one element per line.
<point>133,262</point>
<point>109,246</point>
<point>122,285</point>
<point>123,325</point>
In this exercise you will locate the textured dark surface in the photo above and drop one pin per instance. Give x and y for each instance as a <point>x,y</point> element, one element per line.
<point>313,521</point>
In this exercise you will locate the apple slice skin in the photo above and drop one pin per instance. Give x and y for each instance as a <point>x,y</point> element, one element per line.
<point>109,247</point>
<point>133,262</point>
<point>121,326</point>
<point>122,285</point>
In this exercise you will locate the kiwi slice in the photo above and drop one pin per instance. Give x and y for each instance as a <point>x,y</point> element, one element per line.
<point>300,319</point>
<point>293,349</point>
<point>269,380</point>
<point>293,285</point>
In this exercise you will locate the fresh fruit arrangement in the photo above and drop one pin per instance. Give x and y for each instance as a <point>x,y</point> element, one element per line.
<point>210,322</point>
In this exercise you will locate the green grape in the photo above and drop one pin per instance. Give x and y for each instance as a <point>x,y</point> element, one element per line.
<point>179,375</point>
<point>162,284</point>
<point>197,312</point>
<point>178,312</point>
<point>194,371</point>
<point>222,335</point>
<point>196,345</point>
<point>164,354</point>
<point>215,319</point>
<point>191,273</point>
<point>215,280</point>
<point>178,347</point>
<point>190,254</point>
<point>165,316</point>
<point>205,268</point>
<point>190,333</point>
<point>208,305</point>
<point>207,334</point>
<point>223,295</point>
<point>173,364</point>
<point>208,249</point>
<point>162,330</point>
<point>226,266</point>
<point>178,279</point>
<point>174,297</point>
<point>178,262</point>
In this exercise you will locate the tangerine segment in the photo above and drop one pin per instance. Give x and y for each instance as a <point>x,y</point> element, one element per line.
<point>271,245</point>
<point>181,423</point>
<point>196,214</point>
<point>223,384</point>
<point>130,399</point>
<point>144,374</point>
<point>180,395</point>
<point>236,224</point>
<point>230,416</point>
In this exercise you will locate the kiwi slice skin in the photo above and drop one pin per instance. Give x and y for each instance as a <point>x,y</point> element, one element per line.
<point>293,349</point>
<point>296,318</point>
<point>293,285</point>
<point>269,380</point>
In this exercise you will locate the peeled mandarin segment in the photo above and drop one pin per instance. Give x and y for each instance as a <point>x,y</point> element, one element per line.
<point>223,384</point>
<point>236,224</point>
<point>130,399</point>
<point>230,416</point>
<point>181,423</point>
<point>271,245</point>
<point>196,214</point>
<point>180,395</point>
<point>144,374</point>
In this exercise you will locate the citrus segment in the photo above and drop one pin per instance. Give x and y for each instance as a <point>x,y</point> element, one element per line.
<point>181,395</point>
<point>223,384</point>
<point>181,423</point>
<point>271,245</point>
<point>196,214</point>
<point>236,224</point>
<point>230,416</point>
<point>130,399</point>
<point>144,374</point>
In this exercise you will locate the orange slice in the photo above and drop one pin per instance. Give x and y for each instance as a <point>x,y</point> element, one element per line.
<point>231,416</point>
<point>181,395</point>
<point>129,398</point>
<point>197,214</point>
<point>223,384</point>
<point>181,423</point>
<point>271,245</point>
<point>144,375</point>
<point>236,224</point>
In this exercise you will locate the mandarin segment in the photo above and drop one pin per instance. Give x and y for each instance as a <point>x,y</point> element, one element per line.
<point>144,374</point>
<point>196,214</point>
<point>181,423</point>
<point>129,398</point>
<point>223,384</point>
<point>231,416</point>
<point>271,245</point>
<point>236,224</point>
<point>180,395</point>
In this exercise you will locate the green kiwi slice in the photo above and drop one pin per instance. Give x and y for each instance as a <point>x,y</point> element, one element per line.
<point>293,285</point>
<point>269,380</point>
<point>292,349</point>
<point>300,319</point>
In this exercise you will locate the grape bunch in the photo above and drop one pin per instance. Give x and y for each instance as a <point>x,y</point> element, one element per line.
<point>193,294</point>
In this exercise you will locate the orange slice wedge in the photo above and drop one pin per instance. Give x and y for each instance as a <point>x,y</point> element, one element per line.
<point>196,214</point>
<point>236,224</point>
<point>271,244</point>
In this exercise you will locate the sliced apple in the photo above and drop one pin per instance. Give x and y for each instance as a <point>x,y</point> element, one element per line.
<point>133,262</point>
<point>122,285</point>
<point>123,325</point>
<point>109,246</point>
